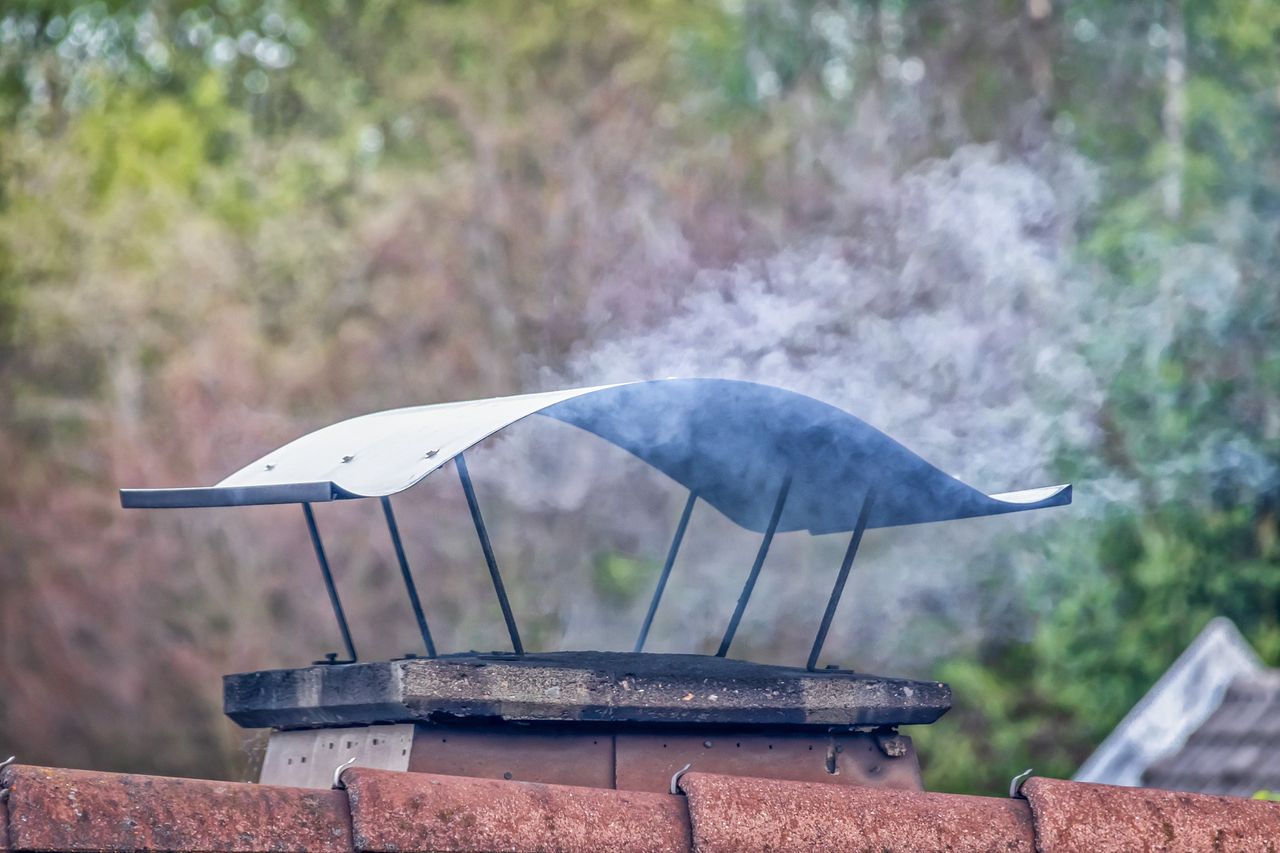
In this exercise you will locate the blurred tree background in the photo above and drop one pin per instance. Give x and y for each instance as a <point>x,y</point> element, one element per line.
<point>223,224</point>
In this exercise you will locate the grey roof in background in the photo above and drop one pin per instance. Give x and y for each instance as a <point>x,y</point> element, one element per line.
<point>734,443</point>
<point>1175,707</point>
<point>1236,751</point>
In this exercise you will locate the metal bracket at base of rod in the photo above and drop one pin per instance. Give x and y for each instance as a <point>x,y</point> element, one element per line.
<point>409,585</point>
<point>328,583</point>
<point>666,570</point>
<point>842,576</point>
<point>755,568</point>
<point>467,489</point>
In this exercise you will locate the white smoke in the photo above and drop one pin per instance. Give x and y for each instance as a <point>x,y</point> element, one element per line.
<point>957,332</point>
<point>949,315</point>
<point>944,317</point>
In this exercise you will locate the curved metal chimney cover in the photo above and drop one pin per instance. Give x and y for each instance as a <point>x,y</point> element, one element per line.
<point>731,442</point>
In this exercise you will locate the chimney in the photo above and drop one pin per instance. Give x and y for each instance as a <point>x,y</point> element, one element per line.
<point>770,460</point>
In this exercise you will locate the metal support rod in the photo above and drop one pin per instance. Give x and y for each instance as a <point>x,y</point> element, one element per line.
<point>408,577</point>
<point>841,577</point>
<point>467,489</point>
<point>755,568</point>
<point>666,570</point>
<point>328,582</point>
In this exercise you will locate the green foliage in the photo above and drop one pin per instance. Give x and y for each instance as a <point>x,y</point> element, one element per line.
<point>1200,541</point>
<point>221,220</point>
<point>621,579</point>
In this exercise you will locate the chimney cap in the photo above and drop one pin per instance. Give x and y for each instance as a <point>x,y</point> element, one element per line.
<point>618,690</point>
<point>731,442</point>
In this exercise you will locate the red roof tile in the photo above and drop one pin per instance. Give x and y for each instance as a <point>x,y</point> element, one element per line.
<point>1075,817</point>
<point>423,811</point>
<point>732,813</point>
<point>73,810</point>
<point>4,821</point>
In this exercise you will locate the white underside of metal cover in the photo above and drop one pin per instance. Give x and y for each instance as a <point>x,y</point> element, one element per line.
<point>732,442</point>
<point>387,452</point>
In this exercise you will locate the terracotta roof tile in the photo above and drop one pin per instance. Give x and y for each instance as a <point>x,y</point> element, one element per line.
<point>72,810</point>
<point>731,813</point>
<point>1075,817</point>
<point>423,811</point>
<point>4,821</point>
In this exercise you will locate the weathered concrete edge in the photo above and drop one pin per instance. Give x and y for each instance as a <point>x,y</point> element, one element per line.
<point>422,690</point>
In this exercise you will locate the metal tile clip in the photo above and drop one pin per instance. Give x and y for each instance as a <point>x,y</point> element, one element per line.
<point>675,778</point>
<point>338,784</point>
<point>1015,784</point>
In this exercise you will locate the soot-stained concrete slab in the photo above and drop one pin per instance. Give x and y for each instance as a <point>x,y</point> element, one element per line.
<point>617,689</point>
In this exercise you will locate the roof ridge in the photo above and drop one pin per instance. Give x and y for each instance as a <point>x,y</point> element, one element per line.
<point>78,810</point>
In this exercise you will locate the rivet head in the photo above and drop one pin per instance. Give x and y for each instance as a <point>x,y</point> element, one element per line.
<point>706,744</point>
<point>347,458</point>
<point>506,775</point>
